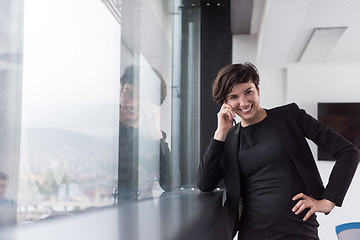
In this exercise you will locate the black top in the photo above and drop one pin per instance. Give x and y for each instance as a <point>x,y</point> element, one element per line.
<point>270,181</point>
<point>137,169</point>
<point>293,126</point>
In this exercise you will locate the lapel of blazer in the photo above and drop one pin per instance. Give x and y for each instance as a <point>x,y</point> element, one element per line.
<point>233,144</point>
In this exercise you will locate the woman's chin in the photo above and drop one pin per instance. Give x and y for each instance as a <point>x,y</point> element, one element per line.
<point>129,120</point>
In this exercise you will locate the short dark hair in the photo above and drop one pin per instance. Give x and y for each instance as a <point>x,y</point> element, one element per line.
<point>3,176</point>
<point>129,76</point>
<point>231,75</point>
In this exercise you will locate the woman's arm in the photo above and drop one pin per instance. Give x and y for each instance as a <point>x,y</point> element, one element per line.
<point>347,159</point>
<point>209,173</point>
<point>345,153</point>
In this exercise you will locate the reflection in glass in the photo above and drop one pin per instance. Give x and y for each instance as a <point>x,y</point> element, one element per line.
<point>7,205</point>
<point>145,166</point>
<point>66,143</point>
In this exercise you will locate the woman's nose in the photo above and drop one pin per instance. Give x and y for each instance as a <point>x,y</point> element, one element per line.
<point>133,102</point>
<point>243,101</point>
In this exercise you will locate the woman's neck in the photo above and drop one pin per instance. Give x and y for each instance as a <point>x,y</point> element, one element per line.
<point>259,116</point>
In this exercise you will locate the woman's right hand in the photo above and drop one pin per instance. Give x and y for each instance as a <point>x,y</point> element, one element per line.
<point>225,117</point>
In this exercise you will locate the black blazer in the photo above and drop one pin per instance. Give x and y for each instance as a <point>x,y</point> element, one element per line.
<point>293,125</point>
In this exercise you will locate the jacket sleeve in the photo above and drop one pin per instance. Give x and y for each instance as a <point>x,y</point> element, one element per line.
<point>344,152</point>
<point>169,170</point>
<point>209,172</point>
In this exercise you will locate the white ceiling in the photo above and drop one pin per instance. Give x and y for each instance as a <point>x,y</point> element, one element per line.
<point>284,27</point>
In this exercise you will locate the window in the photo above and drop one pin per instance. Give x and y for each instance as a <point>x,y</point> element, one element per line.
<point>105,99</point>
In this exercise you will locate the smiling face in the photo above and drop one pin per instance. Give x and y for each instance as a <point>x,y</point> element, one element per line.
<point>244,99</point>
<point>129,105</point>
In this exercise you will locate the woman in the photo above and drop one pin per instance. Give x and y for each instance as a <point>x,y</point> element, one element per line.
<point>273,186</point>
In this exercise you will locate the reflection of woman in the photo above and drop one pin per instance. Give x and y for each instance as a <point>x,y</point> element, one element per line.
<point>266,163</point>
<point>140,125</point>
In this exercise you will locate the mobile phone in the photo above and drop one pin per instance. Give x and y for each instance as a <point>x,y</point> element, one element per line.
<point>234,122</point>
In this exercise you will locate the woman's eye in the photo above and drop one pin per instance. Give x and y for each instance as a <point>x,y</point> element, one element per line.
<point>248,92</point>
<point>128,93</point>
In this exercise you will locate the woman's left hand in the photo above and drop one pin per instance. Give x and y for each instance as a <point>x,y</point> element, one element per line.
<point>323,206</point>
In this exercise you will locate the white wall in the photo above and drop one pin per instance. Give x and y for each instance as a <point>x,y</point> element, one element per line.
<point>244,48</point>
<point>272,79</point>
<point>272,86</point>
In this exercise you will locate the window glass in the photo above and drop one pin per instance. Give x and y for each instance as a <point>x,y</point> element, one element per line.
<point>186,90</point>
<point>99,103</point>
<point>146,168</point>
<point>11,39</point>
<point>69,129</point>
